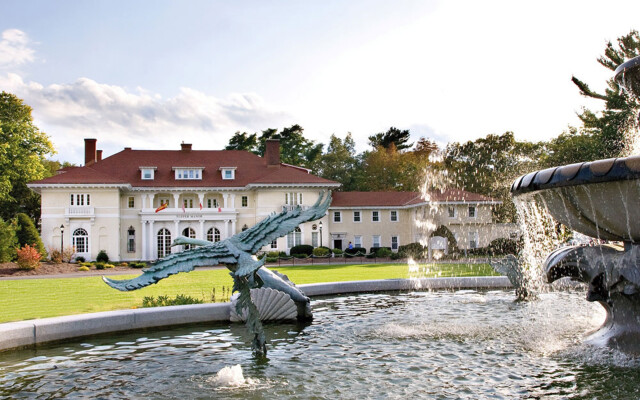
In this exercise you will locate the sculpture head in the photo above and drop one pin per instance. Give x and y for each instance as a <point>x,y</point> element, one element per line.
<point>180,241</point>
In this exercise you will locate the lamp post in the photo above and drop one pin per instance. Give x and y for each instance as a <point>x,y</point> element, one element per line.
<point>61,238</point>
<point>320,227</point>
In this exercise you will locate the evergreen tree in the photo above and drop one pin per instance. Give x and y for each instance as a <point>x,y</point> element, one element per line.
<point>243,141</point>
<point>339,163</point>
<point>609,133</point>
<point>394,136</point>
<point>26,233</point>
<point>8,242</point>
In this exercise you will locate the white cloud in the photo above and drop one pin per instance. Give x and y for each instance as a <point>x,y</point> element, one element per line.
<point>14,48</point>
<point>121,118</point>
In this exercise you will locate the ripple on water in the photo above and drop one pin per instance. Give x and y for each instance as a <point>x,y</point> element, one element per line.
<point>466,344</point>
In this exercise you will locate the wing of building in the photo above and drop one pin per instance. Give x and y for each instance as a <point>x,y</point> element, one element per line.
<point>135,202</point>
<point>393,219</point>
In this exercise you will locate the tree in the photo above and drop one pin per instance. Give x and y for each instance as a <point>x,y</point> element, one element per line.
<point>393,136</point>
<point>339,163</point>
<point>387,169</point>
<point>22,145</point>
<point>8,242</point>
<point>611,131</point>
<point>425,147</point>
<point>243,141</point>
<point>23,148</point>
<point>489,165</point>
<point>295,149</point>
<point>26,233</point>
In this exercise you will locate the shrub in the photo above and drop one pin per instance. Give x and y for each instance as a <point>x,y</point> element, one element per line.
<point>26,233</point>
<point>396,256</point>
<point>28,257</point>
<point>413,250</point>
<point>8,242</point>
<point>272,259</point>
<point>137,265</point>
<point>68,252</point>
<point>102,257</point>
<point>109,266</point>
<point>100,265</point>
<point>356,250</point>
<point>452,244</point>
<point>301,255</point>
<point>83,268</point>
<point>321,251</point>
<point>302,249</point>
<point>383,252</point>
<point>503,246</point>
<point>80,259</point>
<point>337,252</point>
<point>55,256</point>
<point>124,264</point>
<point>273,254</point>
<point>161,301</point>
<point>376,249</point>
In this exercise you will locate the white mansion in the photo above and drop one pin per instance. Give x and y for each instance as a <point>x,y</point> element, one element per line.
<point>135,202</point>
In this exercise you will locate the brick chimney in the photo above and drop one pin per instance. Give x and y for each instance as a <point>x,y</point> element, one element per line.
<point>272,152</point>
<point>185,146</point>
<point>98,155</point>
<point>90,153</point>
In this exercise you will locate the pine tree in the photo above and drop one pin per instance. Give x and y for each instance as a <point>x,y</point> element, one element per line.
<point>8,242</point>
<point>26,233</point>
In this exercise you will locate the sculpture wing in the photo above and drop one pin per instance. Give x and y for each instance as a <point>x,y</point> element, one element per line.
<point>278,225</point>
<point>216,253</point>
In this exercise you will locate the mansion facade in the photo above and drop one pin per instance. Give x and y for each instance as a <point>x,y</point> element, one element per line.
<point>135,202</point>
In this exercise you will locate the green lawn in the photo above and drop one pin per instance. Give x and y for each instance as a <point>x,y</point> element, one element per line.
<point>41,298</point>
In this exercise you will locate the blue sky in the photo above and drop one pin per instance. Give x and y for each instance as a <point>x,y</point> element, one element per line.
<point>150,74</point>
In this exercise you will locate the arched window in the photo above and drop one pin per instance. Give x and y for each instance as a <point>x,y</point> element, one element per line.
<point>191,234</point>
<point>213,235</point>
<point>164,242</point>
<point>131,240</point>
<point>294,238</point>
<point>80,240</point>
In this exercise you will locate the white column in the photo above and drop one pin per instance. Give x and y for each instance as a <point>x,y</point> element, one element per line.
<point>233,200</point>
<point>176,198</point>
<point>144,241</point>
<point>177,233</point>
<point>201,234</point>
<point>233,227</point>
<point>225,200</point>
<point>226,228</point>
<point>153,249</point>
<point>143,199</point>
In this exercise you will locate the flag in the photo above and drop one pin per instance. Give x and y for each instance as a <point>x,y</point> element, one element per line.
<point>201,206</point>
<point>219,209</point>
<point>162,207</point>
<point>183,210</point>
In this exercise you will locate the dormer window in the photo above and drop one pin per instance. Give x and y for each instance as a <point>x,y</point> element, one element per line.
<point>188,173</point>
<point>228,173</point>
<point>147,173</point>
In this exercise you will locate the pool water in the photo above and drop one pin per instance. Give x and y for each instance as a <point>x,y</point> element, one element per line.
<point>439,345</point>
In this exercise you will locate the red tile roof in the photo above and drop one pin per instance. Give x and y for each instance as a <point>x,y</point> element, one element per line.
<point>402,199</point>
<point>124,168</point>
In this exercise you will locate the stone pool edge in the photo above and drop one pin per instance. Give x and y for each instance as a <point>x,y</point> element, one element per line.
<point>33,332</point>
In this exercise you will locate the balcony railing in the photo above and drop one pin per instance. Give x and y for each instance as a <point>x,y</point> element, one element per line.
<point>289,207</point>
<point>80,211</point>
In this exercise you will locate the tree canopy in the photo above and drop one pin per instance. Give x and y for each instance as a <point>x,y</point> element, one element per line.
<point>23,148</point>
<point>394,136</point>
<point>609,133</point>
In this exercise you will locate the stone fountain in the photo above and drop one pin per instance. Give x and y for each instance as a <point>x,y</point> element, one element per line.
<point>600,199</point>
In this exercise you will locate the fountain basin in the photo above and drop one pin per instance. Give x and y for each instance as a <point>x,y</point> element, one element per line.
<point>599,199</point>
<point>466,344</point>
<point>29,333</point>
<point>628,75</point>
